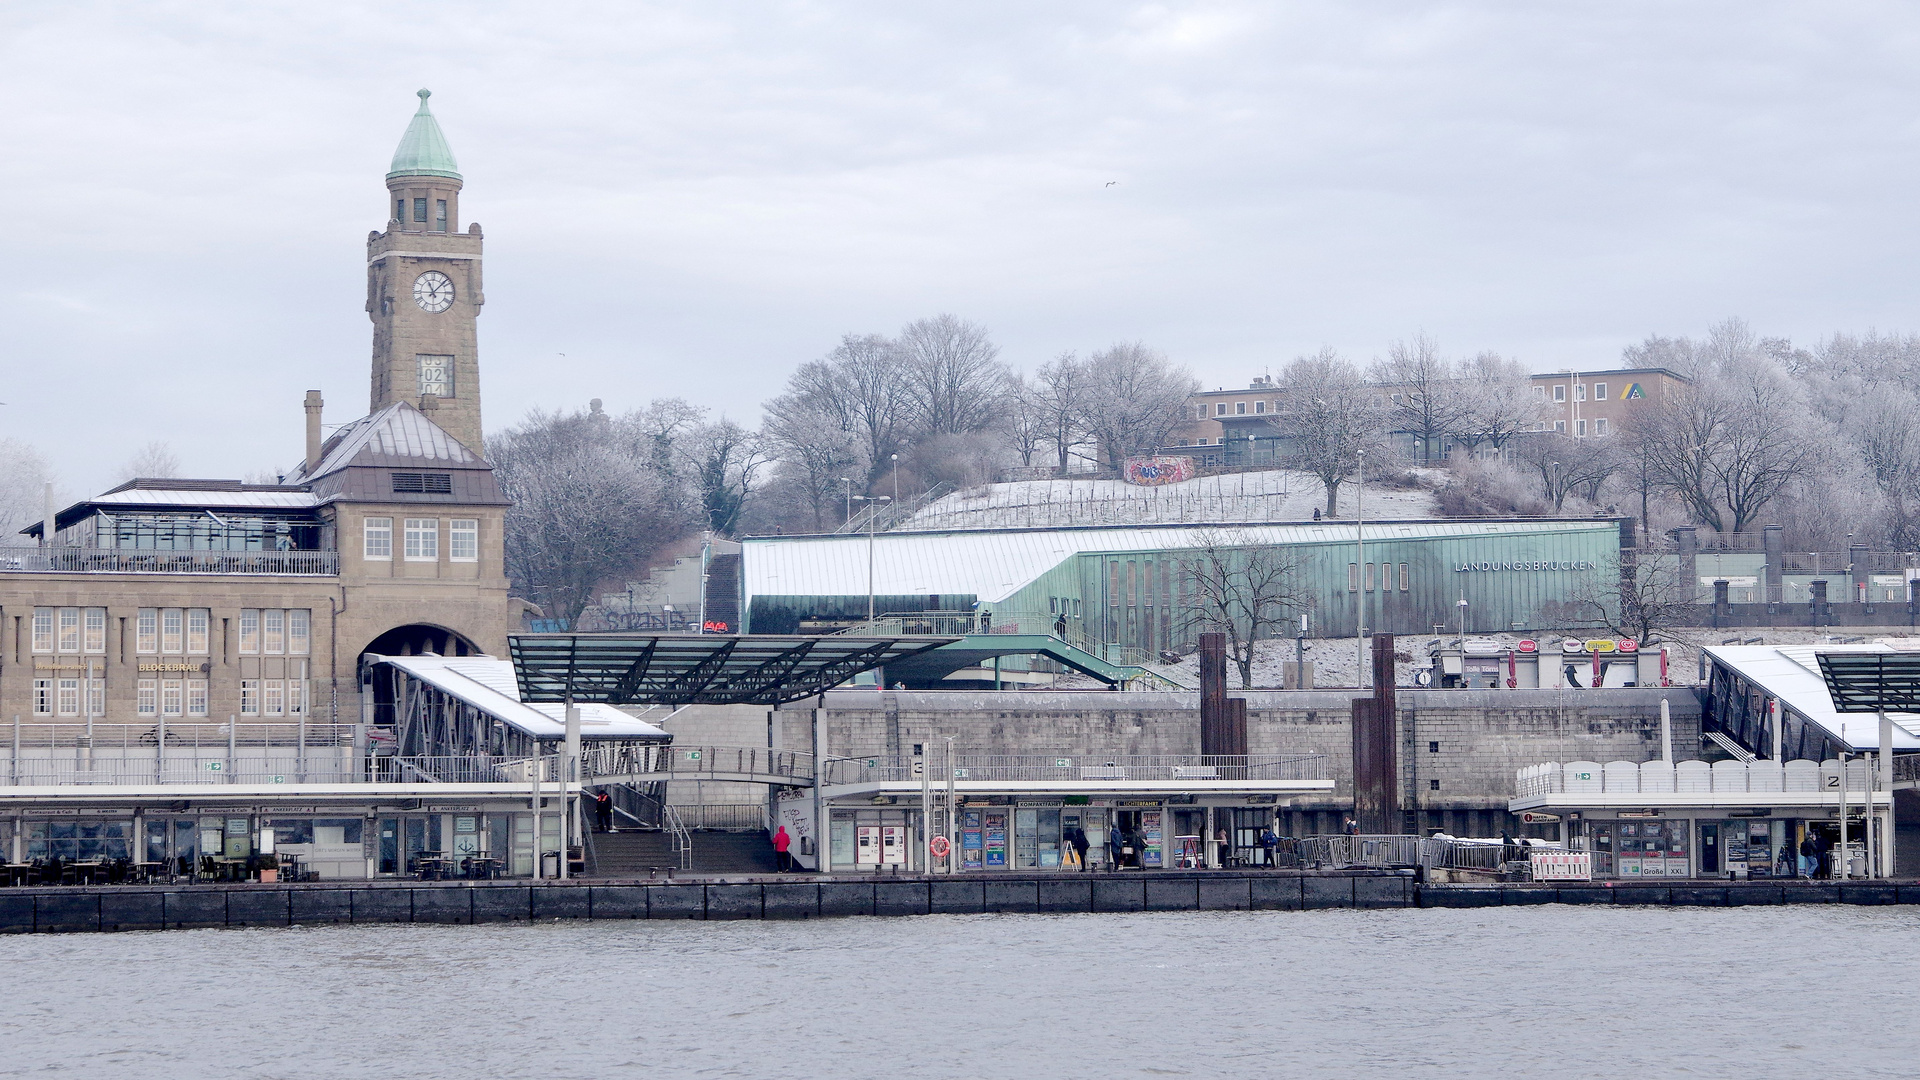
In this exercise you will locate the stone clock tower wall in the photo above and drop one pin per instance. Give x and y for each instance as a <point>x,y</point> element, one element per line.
<point>426,350</point>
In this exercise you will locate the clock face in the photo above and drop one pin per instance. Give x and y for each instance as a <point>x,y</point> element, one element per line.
<point>433,291</point>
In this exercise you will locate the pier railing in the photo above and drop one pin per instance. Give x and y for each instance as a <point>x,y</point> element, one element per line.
<point>92,560</point>
<point>1030,768</point>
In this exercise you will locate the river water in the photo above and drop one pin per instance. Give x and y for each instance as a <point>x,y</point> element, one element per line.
<point>1508,993</point>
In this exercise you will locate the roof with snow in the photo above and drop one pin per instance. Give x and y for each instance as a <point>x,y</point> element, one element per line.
<point>993,564</point>
<point>1792,674</point>
<point>398,436</point>
<point>489,685</point>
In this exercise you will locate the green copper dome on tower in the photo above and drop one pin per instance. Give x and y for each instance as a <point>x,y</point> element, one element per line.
<point>423,150</point>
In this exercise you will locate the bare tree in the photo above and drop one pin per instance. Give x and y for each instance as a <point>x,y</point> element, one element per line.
<point>1639,599</point>
<point>1497,402</point>
<point>1727,443</point>
<point>1331,417</point>
<point>1563,464</point>
<point>815,451</point>
<point>1028,420</point>
<point>1423,389</point>
<point>23,479</point>
<point>588,506</point>
<point>1241,588</point>
<point>725,462</point>
<point>952,375</point>
<point>1060,393</point>
<point>1134,399</point>
<point>155,459</point>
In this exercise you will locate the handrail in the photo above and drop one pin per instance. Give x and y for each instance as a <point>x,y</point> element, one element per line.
<point>678,835</point>
<point>1031,768</point>
<point>97,560</point>
<point>694,762</point>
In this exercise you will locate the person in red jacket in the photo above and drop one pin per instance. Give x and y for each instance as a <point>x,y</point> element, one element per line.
<point>781,842</point>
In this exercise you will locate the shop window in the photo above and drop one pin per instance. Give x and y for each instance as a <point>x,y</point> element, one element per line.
<point>463,540</point>
<point>78,841</point>
<point>377,538</point>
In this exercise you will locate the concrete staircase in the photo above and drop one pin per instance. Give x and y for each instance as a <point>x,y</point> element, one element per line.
<point>633,854</point>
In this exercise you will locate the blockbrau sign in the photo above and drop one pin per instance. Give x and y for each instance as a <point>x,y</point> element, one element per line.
<point>1577,564</point>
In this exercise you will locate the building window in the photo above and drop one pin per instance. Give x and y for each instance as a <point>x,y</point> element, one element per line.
<point>423,539</point>
<point>146,696</point>
<point>399,209</point>
<point>1239,408</point>
<point>146,631</point>
<point>436,375</point>
<point>173,629</point>
<point>420,210</point>
<point>1259,407</point>
<point>1403,577</point>
<point>273,631</point>
<point>377,538</point>
<point>296,697</point>
<point>1540,392</point>
<point>42,629</point>
<point>463,540</point>
<point>1580,429</point>
<point>250,630</point>
<point>299,631</point>
<point>69,629</point>
<point>249,697</point>
<point>1369,577</point>
<point>1433,748</point>
<point>1559,393</point>
<point>1579,391</point>
<point>274,700</point>
<point>1540,425</point>
<point>439,215</point>
<point>1433,785</point>
<point>69,696</point>
<point>196,697</point>
<point>1600,426</point>
<point>1599,391</point>
<point>1353,577</point>
<point>1220,408</point>
<point>1560,426</point>
<point>416,483</point>
<point>173,697</point>
<point>96,630</point>
<point>197,620</point>
<point>43,697</point>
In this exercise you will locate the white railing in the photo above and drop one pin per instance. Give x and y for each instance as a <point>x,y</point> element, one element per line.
<point>1686,777</point>
<point>93,560</point>
<point>1029,768</point>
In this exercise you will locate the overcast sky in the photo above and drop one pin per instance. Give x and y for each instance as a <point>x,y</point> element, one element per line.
<point>689,200</point>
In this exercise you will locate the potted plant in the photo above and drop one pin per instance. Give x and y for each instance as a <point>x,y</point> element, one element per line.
<point>269,866</point>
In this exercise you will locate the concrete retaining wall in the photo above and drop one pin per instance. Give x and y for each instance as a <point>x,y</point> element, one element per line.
<point>81,910</point>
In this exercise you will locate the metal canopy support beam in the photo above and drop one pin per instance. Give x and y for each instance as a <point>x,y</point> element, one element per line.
<point>709,669</point>
<point>682,690</point>
<point>1872,682</point>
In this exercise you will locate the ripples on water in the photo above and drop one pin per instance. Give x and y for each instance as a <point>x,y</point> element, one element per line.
<point>1514,993</point>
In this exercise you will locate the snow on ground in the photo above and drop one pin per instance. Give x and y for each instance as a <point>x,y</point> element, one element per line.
<point>1274,495</point>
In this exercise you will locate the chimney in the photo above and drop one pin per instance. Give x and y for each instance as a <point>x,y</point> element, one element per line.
<point>47,523</point>
<point>313,405</point>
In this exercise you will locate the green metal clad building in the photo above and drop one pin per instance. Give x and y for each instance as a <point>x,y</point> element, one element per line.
<point>1126,587</point>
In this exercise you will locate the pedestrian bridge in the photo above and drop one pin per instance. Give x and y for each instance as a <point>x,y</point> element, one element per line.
<point>654,764</point>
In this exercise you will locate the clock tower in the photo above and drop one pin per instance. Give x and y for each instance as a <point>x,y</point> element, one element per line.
<point>423,287</point>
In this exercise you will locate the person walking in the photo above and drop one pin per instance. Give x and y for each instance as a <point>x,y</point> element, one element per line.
<point>1809,854</point>
<point>1270,844</point>
<point>782,857</point>
<point>603,810</point>
<point>1078,841</point>
<point>1060,628</point>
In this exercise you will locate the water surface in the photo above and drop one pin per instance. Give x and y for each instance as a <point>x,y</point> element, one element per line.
<point>1529,992</point>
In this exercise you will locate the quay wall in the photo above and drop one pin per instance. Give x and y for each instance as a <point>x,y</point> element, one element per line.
<point>124,908</point>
